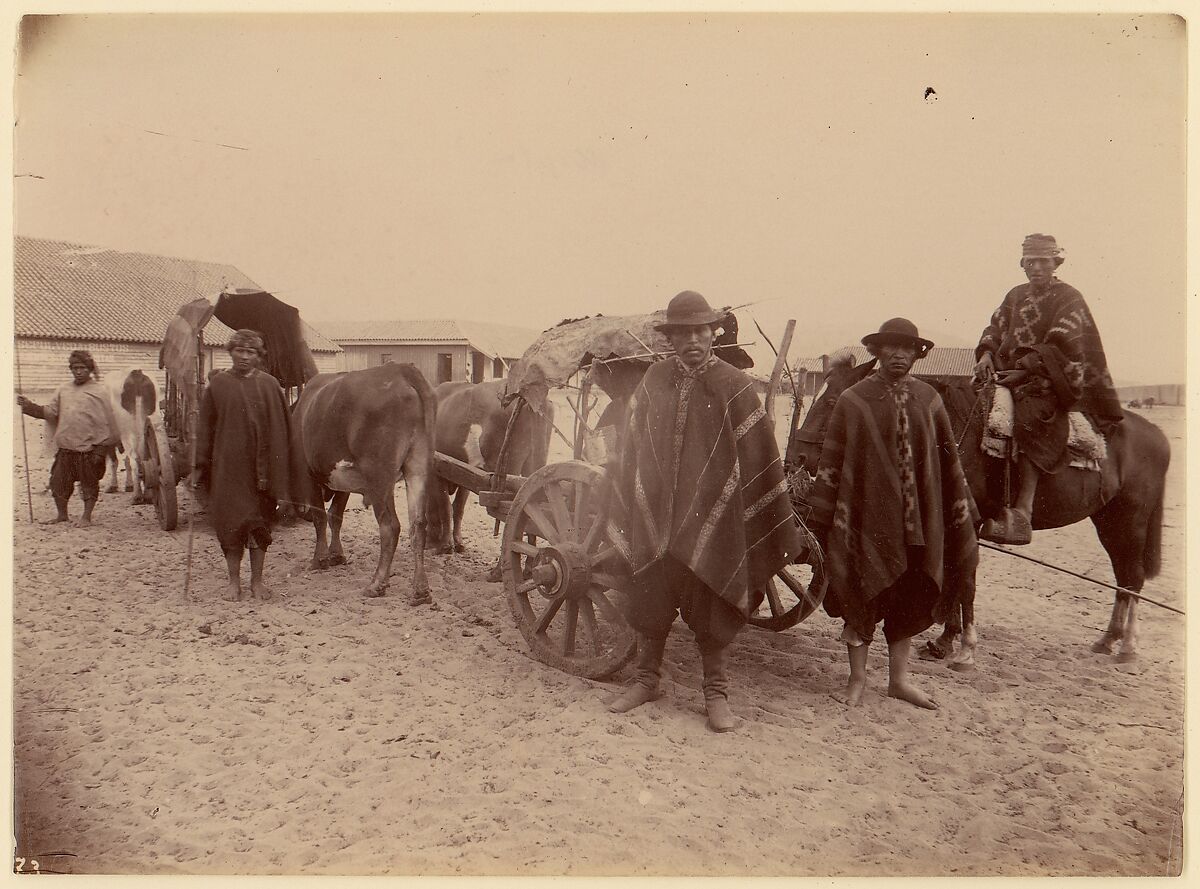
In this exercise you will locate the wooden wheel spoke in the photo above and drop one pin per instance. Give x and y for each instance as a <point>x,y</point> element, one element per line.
<point>525,549</point>
<point>588,612</point>
<point>593,533</point>
<point>572,621</point>
<point>610,611</point>
<point>773,597</point>
<point>798,588</point>
<point>558,509</point>
<point>548,615</point>
<point>543,523</point>
<point>608,581</point>
<point>581,505</point>
<point>603,554</point>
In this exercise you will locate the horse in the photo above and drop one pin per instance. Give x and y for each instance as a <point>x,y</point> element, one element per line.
<point>1124,500</point>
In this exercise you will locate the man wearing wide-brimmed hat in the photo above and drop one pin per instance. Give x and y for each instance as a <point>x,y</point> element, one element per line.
<point>701,511</point>
<point>893,511</point>
<point>1043,343</point>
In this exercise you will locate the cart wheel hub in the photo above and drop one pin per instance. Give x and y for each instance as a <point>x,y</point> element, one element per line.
<point>566,569</point>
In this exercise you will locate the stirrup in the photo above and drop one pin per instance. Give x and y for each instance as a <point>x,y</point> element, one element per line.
<point>1012,528</point>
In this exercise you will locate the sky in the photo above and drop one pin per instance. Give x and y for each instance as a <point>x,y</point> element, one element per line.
<point>840,170</point>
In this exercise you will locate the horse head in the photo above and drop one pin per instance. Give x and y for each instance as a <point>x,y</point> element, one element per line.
<point>805,446</point>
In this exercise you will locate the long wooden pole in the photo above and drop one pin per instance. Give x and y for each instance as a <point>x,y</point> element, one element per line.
<point>777,373</point>
<point>190,422</point>
<point>1119,589</point>
<point>24,444</point>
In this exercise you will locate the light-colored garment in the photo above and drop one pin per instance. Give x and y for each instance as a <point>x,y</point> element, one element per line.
<point>80,417</point>
<point>1086,446</point>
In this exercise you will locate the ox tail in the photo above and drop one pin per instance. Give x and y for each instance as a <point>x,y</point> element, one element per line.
<point>139,426</point>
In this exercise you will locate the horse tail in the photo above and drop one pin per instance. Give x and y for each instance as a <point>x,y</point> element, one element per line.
<point>1152,553</point>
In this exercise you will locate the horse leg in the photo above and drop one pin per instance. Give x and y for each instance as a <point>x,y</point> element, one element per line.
<point>419,482</point>
<point>1122,529</point>
<point>964,659</point>
<point>940,648</point>
<point>133,483</point>
<point>337,508</point>
<point>320,520</point>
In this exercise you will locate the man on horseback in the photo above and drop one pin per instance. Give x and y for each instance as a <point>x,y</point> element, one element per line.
<point>1043,345</point>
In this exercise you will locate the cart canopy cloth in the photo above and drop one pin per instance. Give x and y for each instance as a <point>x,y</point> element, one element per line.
<point>1056,315</point>
<point>700,479</point>
<point>858,505</point>
<point>179,349</point>
<point>242,455</point>
<point>288,357</point>
<point>561,351</point>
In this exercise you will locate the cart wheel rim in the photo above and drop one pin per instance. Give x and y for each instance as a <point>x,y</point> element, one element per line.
<point>563,586</point>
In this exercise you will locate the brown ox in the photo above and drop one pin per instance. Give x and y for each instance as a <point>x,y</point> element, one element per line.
<point>358,433</point>
<point>471,421</point>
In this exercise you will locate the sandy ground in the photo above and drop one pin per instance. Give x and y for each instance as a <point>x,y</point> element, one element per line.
<point>322,733</point>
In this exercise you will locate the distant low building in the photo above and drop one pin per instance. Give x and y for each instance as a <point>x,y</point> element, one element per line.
<point>943,363</point>
<point>1168,393</point>
<point>442,349</point>
<point>117,305</point>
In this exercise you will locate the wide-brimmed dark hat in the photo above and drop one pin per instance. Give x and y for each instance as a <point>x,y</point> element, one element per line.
<point>687,309</point>
<point>899,331</point>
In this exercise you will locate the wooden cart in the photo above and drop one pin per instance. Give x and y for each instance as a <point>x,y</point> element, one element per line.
<point>564,581</point>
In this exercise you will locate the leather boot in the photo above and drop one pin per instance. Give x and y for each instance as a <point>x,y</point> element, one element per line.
<point>647,673</point>
<point>715,658</point>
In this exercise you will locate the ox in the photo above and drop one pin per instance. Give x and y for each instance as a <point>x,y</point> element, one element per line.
<point>134,399</point>
<point>471,422</point>
<point>359,432</point>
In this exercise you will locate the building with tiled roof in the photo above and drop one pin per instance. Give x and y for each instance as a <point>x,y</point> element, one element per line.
<point>943,362</point>
<point>444,349</point>
<point>116,304</point>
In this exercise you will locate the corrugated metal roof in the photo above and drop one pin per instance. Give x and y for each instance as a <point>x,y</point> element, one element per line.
<point>942,361</point>
<point>494,340</point>
<point>64,291</point>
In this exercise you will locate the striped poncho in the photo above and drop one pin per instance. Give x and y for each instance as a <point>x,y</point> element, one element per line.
<point>700,479</point>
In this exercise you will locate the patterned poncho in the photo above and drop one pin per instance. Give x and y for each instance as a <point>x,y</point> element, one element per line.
<point>700,479</point>
<point>1058,316</point>
<point>858,499</point>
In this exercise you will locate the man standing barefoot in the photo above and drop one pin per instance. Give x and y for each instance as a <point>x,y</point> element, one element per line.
<point>892,510</point>
<point>82,425</point>
<point>242,459</point>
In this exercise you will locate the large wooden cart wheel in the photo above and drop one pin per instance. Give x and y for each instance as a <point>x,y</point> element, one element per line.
<point>795,592</point>
<point>563,579</point>
<point>158,475</point>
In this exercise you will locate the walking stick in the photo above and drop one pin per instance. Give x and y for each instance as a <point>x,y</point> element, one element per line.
<point>192,414</point>
<point>24,444</point>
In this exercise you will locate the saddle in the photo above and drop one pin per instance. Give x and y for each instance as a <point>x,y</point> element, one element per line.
<point>1085,446</point>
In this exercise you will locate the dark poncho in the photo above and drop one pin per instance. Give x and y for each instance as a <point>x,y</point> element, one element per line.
<point>700,479</point>
<point>858,506</point>
<point>242,455</point>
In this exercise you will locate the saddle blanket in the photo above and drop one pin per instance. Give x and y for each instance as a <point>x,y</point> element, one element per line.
<point>1085,445</point>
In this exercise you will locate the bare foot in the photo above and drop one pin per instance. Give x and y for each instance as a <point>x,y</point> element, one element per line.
<point>83,521</point>
<point>852,694</point>
<point>55,521</point>
<point>233,592</point>
<point>261,591</point>
<point>913,695</point>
